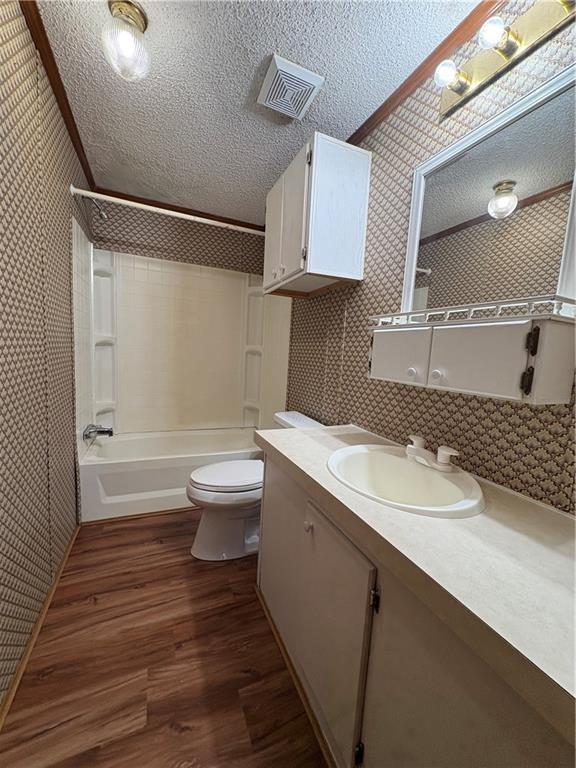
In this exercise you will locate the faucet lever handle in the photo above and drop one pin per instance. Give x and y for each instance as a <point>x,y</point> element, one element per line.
<point>445,454</point>
<point>417,441</point>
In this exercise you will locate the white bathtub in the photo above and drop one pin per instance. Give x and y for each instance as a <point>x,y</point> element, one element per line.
<point>136,473</point>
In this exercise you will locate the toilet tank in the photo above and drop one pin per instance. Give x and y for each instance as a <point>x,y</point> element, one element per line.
<point>294,419</point>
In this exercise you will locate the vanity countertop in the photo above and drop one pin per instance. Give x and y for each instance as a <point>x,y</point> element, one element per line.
<point>511,567</point>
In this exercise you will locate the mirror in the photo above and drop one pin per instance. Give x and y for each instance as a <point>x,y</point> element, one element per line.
<point>490,214</point>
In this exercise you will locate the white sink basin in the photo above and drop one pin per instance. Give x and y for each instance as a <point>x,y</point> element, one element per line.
<point>383,473</point>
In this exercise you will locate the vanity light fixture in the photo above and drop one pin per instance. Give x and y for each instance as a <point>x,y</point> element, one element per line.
<point>504,201</point>
<point>496,35</point>
<point>123,40</point>
<point>501,46</point>
<point>447,75</point>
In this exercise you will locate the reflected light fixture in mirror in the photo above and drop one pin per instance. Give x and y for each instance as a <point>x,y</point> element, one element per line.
<point>123,40</point>
<point>447,75</point>
<point>494,34</point>
<point>505,201</point>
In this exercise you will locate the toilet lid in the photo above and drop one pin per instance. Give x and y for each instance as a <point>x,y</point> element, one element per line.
<point>243,475</point>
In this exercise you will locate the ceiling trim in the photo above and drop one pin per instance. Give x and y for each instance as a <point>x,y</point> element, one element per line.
<point>35,24</point>
<point>537,198</point>
<point>177,208</point>
<point>460,35</point>
<point>37,31</point>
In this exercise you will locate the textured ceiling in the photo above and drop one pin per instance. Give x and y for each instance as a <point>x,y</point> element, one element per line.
<point>192,133</point>
<point>537,152</point>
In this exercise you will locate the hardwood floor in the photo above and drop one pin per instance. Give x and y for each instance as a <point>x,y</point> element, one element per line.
<point>150,659</point>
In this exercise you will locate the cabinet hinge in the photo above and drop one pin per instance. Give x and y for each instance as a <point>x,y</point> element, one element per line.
<point>309,157</point>
<point>526,380</point>
<point>304,253</point>
<point>359,753</point>
<point>532,340</point>
<point>375,599</point>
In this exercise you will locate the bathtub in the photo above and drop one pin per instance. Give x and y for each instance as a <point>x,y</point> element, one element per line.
<point>133,474</point>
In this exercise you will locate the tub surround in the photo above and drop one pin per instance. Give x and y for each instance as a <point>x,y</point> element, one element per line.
<point>502,581</point>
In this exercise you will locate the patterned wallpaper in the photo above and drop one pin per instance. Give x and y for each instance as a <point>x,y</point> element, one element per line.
<point>506,259</point>
<point>529,449</point>
<point>129,230</point>
<point>37,454</point>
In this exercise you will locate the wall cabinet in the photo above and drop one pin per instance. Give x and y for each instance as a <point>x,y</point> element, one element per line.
<point>317,589</point>
<point>316,218</point>
<point>525,359</point>
<point>390,684</point>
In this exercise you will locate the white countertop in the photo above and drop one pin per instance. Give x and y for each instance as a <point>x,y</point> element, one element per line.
<point>511,566</point>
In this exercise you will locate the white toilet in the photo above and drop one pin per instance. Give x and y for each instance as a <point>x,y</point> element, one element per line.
<point>229,494</point>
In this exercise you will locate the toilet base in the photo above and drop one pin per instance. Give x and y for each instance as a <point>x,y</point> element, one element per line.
<point>227,534</point>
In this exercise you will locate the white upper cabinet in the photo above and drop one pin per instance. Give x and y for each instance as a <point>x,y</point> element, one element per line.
<point>316,217</point>
<point>402,355</point>
<point>528,360</point>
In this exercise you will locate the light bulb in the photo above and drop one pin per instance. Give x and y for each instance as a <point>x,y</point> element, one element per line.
<point>504,201</point>
<point>495,35</point>
<point>492,32</point>
<point>124,49</point>
<point>446,73</point>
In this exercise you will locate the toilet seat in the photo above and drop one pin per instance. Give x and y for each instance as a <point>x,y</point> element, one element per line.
<point>229,477</point>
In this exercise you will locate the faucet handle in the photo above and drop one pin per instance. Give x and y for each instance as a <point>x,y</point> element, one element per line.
<point>417,441</point>
<point>444,456</point>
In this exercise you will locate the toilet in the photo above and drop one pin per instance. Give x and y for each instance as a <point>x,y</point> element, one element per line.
<point>229,494</point>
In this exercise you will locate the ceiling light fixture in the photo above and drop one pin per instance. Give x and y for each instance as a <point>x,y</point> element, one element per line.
<point>494,34</point>
<point>504,201</point>
<point>447,75</point>
<point>123,40</point>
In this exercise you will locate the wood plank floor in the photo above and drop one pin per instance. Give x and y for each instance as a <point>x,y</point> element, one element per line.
<point>150,659</point>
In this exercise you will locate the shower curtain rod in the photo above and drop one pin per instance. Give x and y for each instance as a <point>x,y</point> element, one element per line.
<point>166,211</point>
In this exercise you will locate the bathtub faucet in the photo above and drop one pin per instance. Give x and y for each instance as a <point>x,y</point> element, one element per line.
<point>95,430</point>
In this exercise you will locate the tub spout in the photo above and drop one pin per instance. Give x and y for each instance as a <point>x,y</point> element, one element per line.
<point>96,430</point>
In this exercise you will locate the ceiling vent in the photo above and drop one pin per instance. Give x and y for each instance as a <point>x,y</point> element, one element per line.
<point>289,88</point>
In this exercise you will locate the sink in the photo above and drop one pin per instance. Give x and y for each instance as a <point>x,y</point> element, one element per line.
<point>383,473</point>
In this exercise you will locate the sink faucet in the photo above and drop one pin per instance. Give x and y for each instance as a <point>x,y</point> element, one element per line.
<point>95,430</point>
<point>442,460</point>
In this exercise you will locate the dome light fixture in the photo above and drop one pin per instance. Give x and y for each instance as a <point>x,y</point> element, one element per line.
<point>123,40</point>
<point>504,201</point>
<point>447,75</point>
<point>494,34</point>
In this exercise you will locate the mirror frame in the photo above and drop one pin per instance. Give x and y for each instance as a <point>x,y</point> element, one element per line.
<point>561,82</point>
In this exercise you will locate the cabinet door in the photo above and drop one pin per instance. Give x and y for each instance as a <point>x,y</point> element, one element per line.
<point>339,189</point>
<point>401,354</point>
<point>316,585</point>
<point>294,214</point>
<point>335,620</point>
<point>273,239</point>
<point>483,358</point>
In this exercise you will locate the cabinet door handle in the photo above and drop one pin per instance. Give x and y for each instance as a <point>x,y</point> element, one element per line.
<point>411,372</point>
<point>274,274</point>
<point>282,268</point>
<point>308,526</point>
<point>436,375</point>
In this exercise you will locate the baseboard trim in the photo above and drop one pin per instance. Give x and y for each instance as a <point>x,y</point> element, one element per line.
<point>325,749</point>
<point>23,663</point>
<point>137,516</point>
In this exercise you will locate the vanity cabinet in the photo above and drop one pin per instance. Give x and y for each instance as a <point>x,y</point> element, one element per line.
<point>317,587</point>
<point>316,217</point>
<point>524,359</point>
<point>390,682</point>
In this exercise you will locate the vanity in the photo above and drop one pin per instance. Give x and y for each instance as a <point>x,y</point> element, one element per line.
<point>417,641</point>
